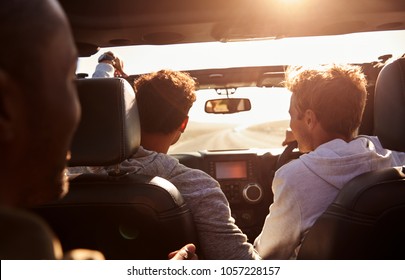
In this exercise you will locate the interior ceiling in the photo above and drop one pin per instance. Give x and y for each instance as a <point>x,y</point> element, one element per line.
<point>108,23</point>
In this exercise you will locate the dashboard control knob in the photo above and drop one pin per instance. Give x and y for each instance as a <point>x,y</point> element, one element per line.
<point>252,193</point>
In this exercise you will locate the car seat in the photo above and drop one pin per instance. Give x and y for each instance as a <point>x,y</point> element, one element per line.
<point>125,216</point>
<point>389,105</point>
<point>366,220</point>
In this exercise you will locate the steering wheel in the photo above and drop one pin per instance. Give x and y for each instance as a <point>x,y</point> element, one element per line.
<point>287,154</point>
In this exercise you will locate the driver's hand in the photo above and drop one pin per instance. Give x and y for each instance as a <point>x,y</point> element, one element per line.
<point>289,137</point>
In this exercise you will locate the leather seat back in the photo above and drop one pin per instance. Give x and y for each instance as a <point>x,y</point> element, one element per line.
<point>389,112</point>
<point>125,216</point>
<point>364,222</point>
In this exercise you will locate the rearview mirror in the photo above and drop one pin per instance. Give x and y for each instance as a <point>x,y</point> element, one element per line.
<point>227,105</point>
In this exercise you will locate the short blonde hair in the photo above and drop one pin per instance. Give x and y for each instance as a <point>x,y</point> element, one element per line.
<point>336,93</point>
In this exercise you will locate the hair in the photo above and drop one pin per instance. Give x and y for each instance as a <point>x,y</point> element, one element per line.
<point>335,93</point>
<point>106,56</point>
<point>24,34</point>
<point>164,99</point>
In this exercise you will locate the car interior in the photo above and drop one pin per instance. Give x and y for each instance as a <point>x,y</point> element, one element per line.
<point>129,216</point>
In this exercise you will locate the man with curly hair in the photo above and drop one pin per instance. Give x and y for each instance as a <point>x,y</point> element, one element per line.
<point>164,99</point>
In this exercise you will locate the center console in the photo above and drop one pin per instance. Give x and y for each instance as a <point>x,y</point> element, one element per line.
<point>245,179</point>
<point>240,177</point>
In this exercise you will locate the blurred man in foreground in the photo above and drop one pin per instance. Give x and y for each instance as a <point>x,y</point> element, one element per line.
<point>39,112</point>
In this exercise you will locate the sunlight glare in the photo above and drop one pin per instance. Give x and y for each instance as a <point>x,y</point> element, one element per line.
<point>290,2</point>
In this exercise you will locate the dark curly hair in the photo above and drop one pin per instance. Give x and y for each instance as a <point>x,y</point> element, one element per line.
<point>164,99</point>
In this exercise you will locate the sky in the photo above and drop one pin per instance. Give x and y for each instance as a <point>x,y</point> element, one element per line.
<point>354,48</point>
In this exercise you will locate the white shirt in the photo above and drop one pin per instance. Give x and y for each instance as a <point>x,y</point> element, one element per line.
<point>104,70</point>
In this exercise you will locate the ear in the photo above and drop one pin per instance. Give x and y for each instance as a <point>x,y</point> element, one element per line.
<point>310,119</point>
<point>8,106</point>
<point>184,125</point>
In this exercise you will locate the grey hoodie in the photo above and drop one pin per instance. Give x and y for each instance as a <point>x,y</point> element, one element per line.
<point>305,187</point>
<point>219,236</point>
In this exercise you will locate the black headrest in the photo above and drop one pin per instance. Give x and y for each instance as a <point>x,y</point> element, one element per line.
<point>109,130</point>
<point>389,106</point>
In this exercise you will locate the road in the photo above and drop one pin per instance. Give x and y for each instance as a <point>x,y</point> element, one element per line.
<point>229,137</point>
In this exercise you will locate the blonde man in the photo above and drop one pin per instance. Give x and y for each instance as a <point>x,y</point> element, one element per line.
<point>326,108</point>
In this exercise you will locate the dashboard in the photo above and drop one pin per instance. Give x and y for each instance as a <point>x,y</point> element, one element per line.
<point>245,177</point>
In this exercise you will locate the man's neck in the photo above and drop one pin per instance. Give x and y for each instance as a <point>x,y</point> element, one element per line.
<point>158,142</point>
<point>325,137</point>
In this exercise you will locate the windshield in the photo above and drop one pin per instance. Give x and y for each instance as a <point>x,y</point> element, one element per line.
<point>265,124</point>
<point>262,127</point>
